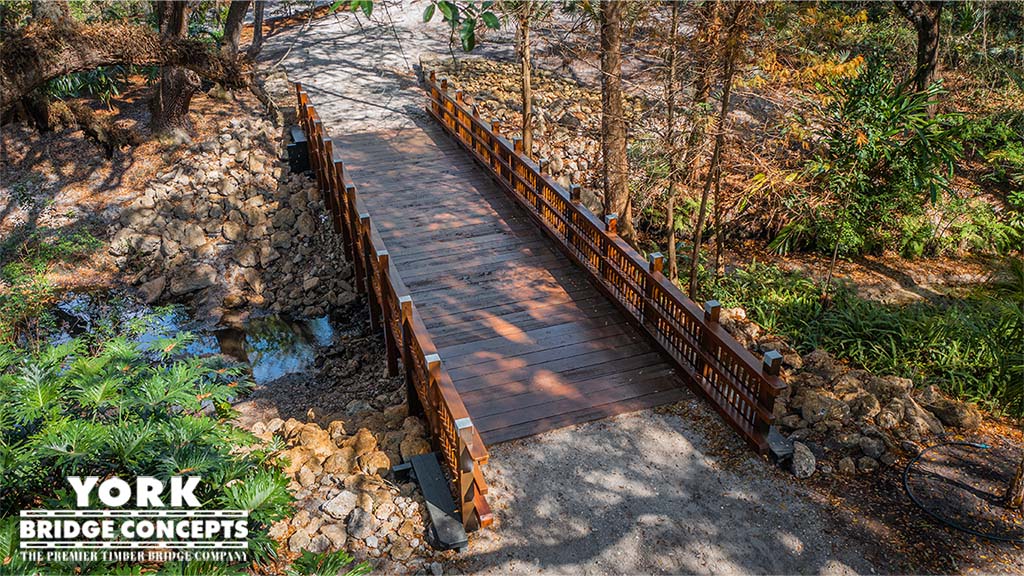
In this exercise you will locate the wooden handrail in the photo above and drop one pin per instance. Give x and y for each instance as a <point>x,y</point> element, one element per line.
<point>429,386</point>
<point>739,386</point>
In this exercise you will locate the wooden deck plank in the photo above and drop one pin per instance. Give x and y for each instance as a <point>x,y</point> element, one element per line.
<point>529,342</point>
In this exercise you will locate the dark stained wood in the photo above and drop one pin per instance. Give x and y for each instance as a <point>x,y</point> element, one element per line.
<point>529,342</point>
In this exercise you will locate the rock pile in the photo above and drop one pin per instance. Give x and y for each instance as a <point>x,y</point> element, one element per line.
<point>343,498</point>
<point>567,116</point>
<point>849,420</point>
<point>227,227</point>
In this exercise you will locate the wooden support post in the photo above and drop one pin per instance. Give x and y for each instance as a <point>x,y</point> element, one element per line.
<point>390,344</point>
<point>611,224</point>
<point>574,193</point>
<point>494,148</point>
<point>466,483</point>
<point>341,204</point>
<point>771,367</point>
<point>357,239</point>
<point>332,182</point>
<point>371,294</point>
<point>412,397</point>
<point>431,404</point>
<point>655,264</point>
<point>542,165</point>
<point>712,309</point>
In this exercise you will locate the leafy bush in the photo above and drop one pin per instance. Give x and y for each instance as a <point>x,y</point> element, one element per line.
<point>119,408</point>
<point>972,347</point>
<point>880,157</point>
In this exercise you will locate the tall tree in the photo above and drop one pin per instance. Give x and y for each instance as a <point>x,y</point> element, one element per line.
<point>233,26</point>
<point>613,121</point>
<point>732,47</point>
<point>178,85</point>
<point>257,29</point>
<point>525,13</point>
<point>671,147</point>
<point>925,16</point>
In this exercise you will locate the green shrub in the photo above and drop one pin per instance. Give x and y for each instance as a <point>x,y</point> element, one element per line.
<point>972,347</point>
<point>116,407</point>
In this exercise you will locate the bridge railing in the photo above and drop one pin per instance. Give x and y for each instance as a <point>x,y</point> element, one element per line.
<point>741,388</point>
<point>429,388</point>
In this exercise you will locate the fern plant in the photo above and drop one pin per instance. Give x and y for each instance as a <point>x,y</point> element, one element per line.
<point>117,407</point>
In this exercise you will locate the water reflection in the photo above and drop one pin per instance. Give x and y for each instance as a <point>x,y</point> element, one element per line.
<point>273,346</point>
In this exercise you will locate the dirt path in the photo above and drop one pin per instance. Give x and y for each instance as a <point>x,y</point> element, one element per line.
<point>639,493</point>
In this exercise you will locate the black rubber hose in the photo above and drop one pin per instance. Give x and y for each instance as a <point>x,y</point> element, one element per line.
<point>940,519</point>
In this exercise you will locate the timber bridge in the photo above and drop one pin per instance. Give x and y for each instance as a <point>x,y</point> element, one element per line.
<point>509,307</point>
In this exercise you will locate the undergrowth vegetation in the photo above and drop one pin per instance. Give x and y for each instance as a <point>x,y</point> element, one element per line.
<point>972,347</point>
<point>110,406</point>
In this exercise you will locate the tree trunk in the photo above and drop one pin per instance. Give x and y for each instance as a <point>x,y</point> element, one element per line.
<point>173,96</point>
<point>670,143</point>
<point>41,52</point>
<point>732,50</point>
<point>1015,492</point>
<point>613,121</point>
<point>233,26</point>
<point>257,29</point>
<point>925,15</point>
<point>525,73</point>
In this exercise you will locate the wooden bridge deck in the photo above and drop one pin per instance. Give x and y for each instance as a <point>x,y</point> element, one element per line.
<point>529,342</point>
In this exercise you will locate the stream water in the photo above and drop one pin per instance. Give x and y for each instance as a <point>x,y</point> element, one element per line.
<point>273,345</point>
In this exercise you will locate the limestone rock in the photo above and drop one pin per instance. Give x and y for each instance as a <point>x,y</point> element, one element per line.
<point>361,524</point>
<point>803,463</point>
<point>341,505</point>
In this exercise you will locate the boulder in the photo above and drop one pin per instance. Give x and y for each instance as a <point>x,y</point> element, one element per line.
<point>815,405</point>
<point>336,534</point>
<point>151,290</point>
<point>299,541</point>
<point>956,414</point>
<point>361,524</point>
<point>803,462</point>
<point>847,466</point>
<point>865,406</point>
<point>873,447</point>
<point>342,505</point>
<point>341,462</point>
<point>375,462</point>
<point>867,464</point>
<point>188,280</point>
<point>363,442</point>
<point>319,544</point>
<point>297,457</point>
<point>413,446</point>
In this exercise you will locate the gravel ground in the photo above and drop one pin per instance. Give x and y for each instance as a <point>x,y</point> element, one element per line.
<point>637,493</point>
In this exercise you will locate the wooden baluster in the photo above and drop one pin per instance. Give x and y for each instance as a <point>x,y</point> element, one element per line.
<point>458,116</point>
<point>390,345</point>
<point>474,123</point>
<point>495,154</point>
<point>466,484</point>
<point>311,136</point>
<point>371,294</point>
<point>444,102</point>
<point>570,216</point>
<point>611,226</point>
<point>515,162</point>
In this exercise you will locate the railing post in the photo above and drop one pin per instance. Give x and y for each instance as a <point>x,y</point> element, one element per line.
<point>412,396</point>
<point>495,149</point>
<point>431,404</point>
<point>655,264</point>
<point>390,345</point>
<point>712,311</point>
<point>611,225</point>
<point>371,293</point>
<point>331,175</point>
<point>357,239</point>
<point>341,205</point>
<point>465,482</point>
<point>771,367</point>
